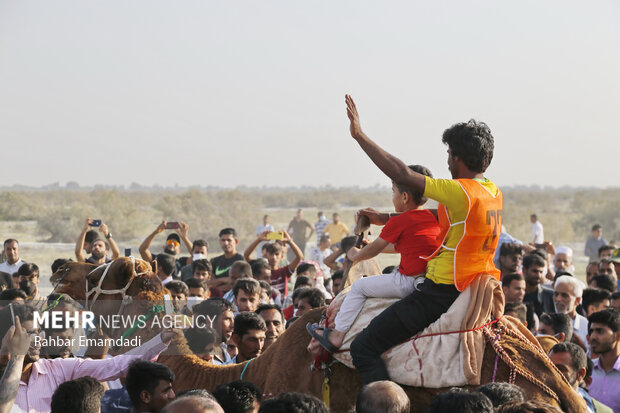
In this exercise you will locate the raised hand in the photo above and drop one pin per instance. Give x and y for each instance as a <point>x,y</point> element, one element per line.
<point>161,227</point>
<point>183,229</point>
<point>354,117</point>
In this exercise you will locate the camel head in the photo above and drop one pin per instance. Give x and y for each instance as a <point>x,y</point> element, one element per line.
<point>70,279</point>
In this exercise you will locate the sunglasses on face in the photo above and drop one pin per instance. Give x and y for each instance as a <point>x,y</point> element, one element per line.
<point>172,242</point>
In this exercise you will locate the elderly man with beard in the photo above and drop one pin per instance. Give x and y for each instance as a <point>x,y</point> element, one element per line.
<point>534,274</point>
<point>40,377</point>
<point>567,292</point>
<point>563,260</point>
<point>274,320</point>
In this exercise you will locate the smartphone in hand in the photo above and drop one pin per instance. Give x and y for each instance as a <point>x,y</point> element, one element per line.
<point>95,223</point>
<point>172,225</point>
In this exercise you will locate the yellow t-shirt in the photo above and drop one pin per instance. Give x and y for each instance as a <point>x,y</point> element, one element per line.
<point>336,231</point>
<point>440,268</point>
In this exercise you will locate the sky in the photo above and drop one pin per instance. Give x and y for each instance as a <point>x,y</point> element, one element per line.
<point>252,92</point>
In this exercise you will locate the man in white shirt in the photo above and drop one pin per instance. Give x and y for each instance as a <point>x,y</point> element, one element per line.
<point>567,292</point>
<point>538,235</point>
<point>11,252</point>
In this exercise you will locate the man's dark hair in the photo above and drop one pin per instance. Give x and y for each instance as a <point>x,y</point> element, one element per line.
<point>238,396</point>
<point>606,282</point>
<point>10,294</point>
<point>528,407</point>
<point>267,307</point>
<point>258,266</point>
<point>472,142</point>
<point>323,238</point>
<point>533,260</point>
<point>596,227</point>
<point>510,248</point>
<point>594,296</point>
<point>166,262</point>
<point>200,243</point>
<point>460,401</point>
<point>577,355</point>
<point>246,321</point>
<point>242,267</point>
<point>418,197</point>
<point>59,262</point>
<point>196,283</point>
<point>382,397</point>
<point>338,275</point>
<point>91,236</point>
<point>212,307</point>
<point>28,269</point>
<point>145,375</point>
<point>178,287</point>
<point>615,295</point>
<point>519,309</point>
<point>315,297</point>
<point>265,286</point>
<point>605,248</point>
<point>509,278</point>
<point>8,241</point>
<point>202,265</point>
<point>81,395</point>
<point>297,292</point>
<point>293,403</point>
<point>305,266</point>
<point>501,393</point>
<point>301,281</point>
<point>228,231</point>
<point>199,337</point>
<point>560,323</point>
<point>609,318</point>
<point>248,285</point>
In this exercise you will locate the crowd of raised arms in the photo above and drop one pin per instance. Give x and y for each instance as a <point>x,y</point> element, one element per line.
<point>256,294</point>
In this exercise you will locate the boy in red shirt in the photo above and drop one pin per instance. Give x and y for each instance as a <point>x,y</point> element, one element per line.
<point>414,234</point>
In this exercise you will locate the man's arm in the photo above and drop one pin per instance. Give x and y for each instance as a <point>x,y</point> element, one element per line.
<point>183,232</point>
<point>309,225</point>
<point>15,342</point>
<point>298,254</point>
<point>369,251</point>
<point>146,244</point>
<point>79,244</point>
<point>390,165</point>
<point>106,233</point>
<point>330,260</point>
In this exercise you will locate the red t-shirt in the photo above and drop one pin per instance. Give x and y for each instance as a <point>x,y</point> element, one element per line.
<point>280,279</point>
<point>414,234</point>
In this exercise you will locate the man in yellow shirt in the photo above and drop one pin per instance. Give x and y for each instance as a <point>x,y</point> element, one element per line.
<point>470,215</point>
<point>336,229</point>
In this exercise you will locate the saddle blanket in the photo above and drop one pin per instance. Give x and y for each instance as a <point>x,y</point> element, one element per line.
<point>443,360</point>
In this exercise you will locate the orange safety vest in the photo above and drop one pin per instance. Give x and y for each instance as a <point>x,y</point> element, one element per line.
<point>475,250</point>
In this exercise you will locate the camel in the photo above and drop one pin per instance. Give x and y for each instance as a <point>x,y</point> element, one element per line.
<point>285,365</point>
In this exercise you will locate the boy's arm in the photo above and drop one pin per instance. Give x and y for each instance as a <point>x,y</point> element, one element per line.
<point>390,165</point>
<point>369,251</point>
<point>250,249</point>
<point>298,254</point>
<point>390,249</point>
<point>144,247</point>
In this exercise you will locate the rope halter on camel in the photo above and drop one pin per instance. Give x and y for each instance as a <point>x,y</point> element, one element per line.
<point>98,290</point>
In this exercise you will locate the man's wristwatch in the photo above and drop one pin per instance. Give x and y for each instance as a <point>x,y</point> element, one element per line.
<point>109,235</point>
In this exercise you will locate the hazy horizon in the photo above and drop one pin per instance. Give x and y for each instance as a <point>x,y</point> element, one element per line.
<point>252,93</point>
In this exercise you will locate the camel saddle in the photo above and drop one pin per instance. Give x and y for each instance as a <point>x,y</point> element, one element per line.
<point>447,353</point>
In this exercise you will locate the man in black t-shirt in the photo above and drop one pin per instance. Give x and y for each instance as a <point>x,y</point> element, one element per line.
<point>222,263</point>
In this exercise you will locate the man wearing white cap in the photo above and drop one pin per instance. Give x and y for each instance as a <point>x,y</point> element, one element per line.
<point>563,260</point>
